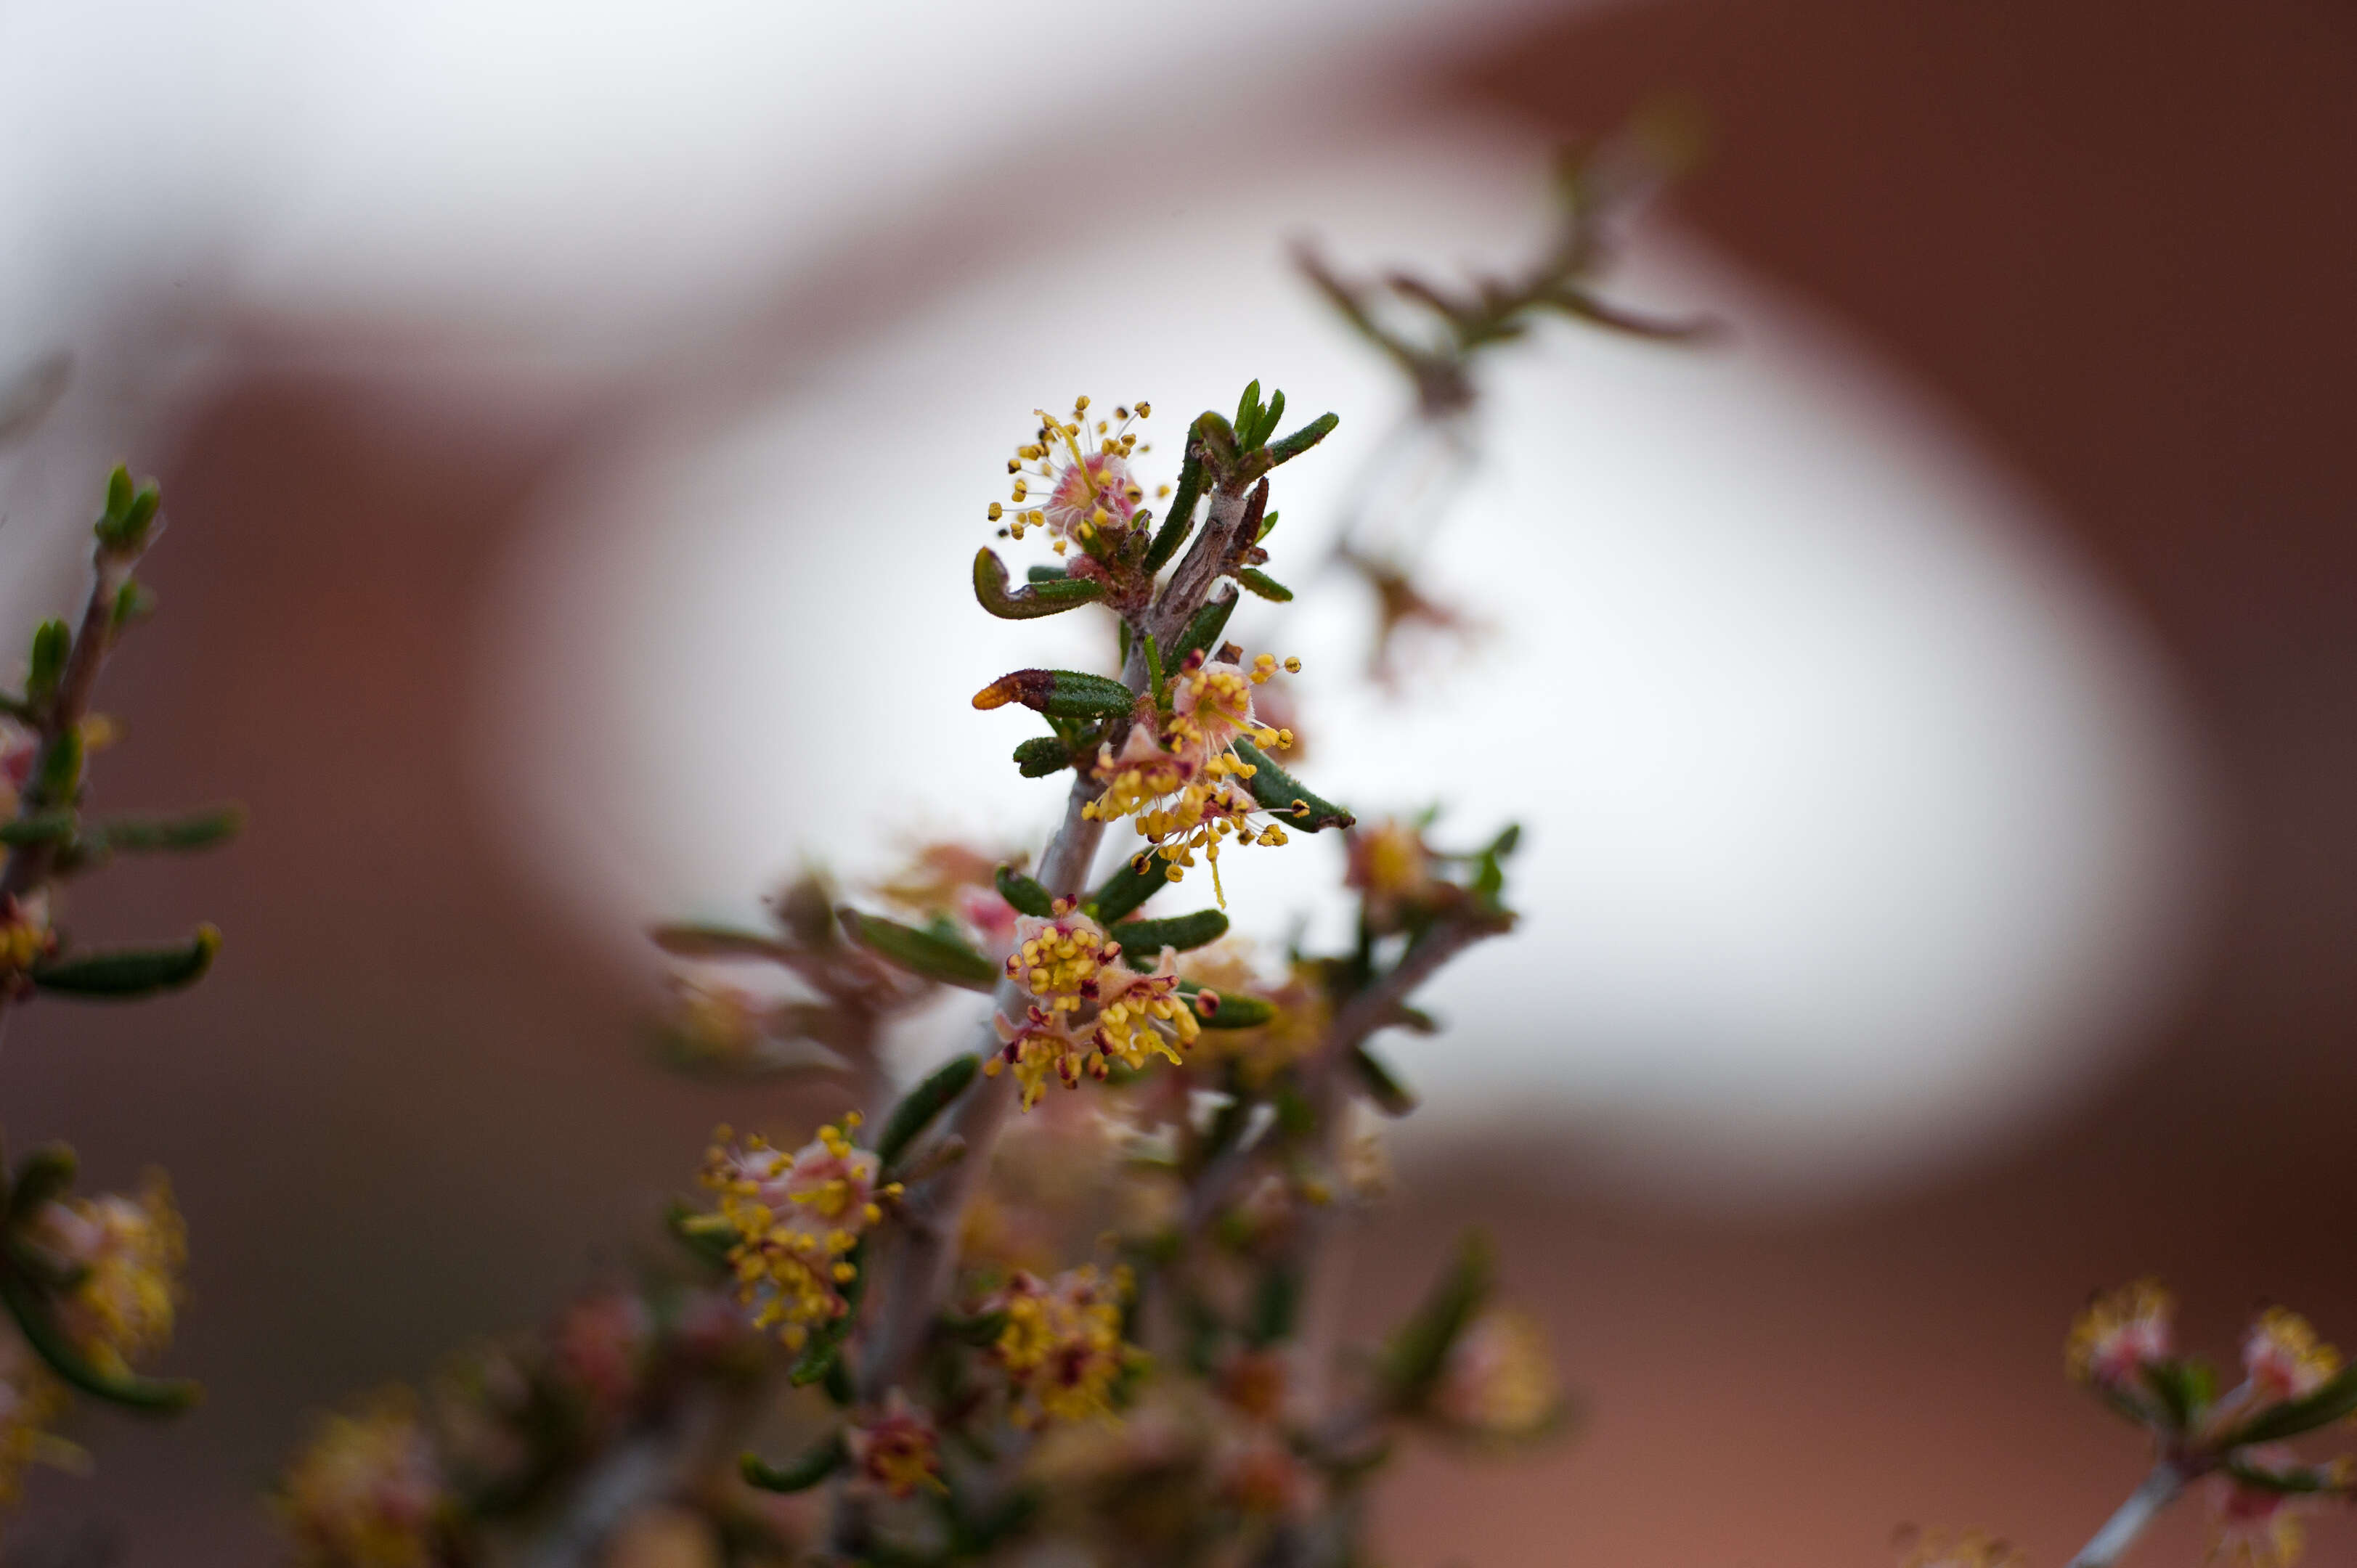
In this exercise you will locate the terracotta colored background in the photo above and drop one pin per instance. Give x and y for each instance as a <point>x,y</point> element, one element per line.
<point>2118,239</point>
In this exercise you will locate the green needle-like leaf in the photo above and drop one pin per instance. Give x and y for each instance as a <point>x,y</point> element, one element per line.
<point>1391,1096</point>
<point>129,973</point>
<point>1059,693</point>
<point>1419,1351</point>
<point>1143,938</point>
<point>1025,895</point>
<point>926,953</point>
<point>1128,888</point>
<point>1283,795</point>
<point>920,1105</point>
<point>1041,757</point>
<point>814,1465</point>
<point>2328,1404</point>
<point>997,595</point>
<point>1203,633</point>
<point>690,939</point>
<point>1266,586</point>
<point>197,831</point>
<point>1302,439</point>
<point>148,1396</point>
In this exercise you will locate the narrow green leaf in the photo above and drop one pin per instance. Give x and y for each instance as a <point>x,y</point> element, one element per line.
<point>119,492</point>
<point>1027,896</point>
<point>1046,573</point>
<point>920,1105</point>
<point>1266,586</point>
<point>1276,1306</point>
<point>691,939</point>
<point>995,594</point>
<point>42,827</point>
<point>814,1465</point>
<point>1281,793</point>
<point>1505,842</point>
<point>1418,1353</point>
<point>134,602</point>
<point>1042,756</point>
<point>1154,678</point>
<point>1203,633</point>
<point>61,767</point>
<point>2334,1401</point>
<point>1144,939</point>
<point>1059,693</point>
<point>925,953</point>
<point>1267,527</point>
<point>2296,1481</point>
<point>1269,418</point>
<point>49,1340</point>
<point>1128,888</point>
<point>197,831</point>
<point>838,1384</point>
<point>51,642</point>
<point>1182,516</point>
<point>1302,439</point>
<point>1248,414</point>
<point>1391,1096</point>
<point>129,973</point>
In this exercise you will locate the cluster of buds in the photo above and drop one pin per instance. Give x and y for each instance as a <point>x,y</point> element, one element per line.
<point>512,1424</point>
<point>369,1489</point>
<point>1088,1009</point>
<point>795,1219</point>
<point>2123,1350</point>
<point>1061,1345</point>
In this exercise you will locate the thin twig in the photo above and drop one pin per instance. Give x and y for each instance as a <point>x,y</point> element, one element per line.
<point>2120,1531</point>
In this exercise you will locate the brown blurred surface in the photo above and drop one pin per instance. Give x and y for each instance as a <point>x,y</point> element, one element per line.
<point>2117,238</point>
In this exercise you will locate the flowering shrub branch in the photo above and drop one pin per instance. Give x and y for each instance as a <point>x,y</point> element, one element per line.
<point>91,1284</point>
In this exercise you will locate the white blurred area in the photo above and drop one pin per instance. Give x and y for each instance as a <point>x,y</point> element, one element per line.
<point>1860,825</point>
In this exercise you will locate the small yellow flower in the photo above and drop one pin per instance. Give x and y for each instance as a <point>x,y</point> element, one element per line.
<point>130,1251</point>
<point>1088,1009</point>
<point>2285,1358</point>
<point>896,1450</point>
<point>1072,478</point>
<point>368,1493</point>
<point>1184,784</point>
<point>2258,1527</point>
<point>796,1217</point>
<point>1061,1347</point>
<point>2118,1333</point>
<point>1499,1378</point>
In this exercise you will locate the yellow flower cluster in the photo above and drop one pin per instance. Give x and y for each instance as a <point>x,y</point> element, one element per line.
<point>1072,478</point>
<point>367,1493</point>
<point>129,1252</point>
<point>1061,1347</point>
<point>1184,786</point>
<point>1500,1381</point>
<point>2119,1332</point>
<point>898,1450</point>
<point>795,1218</point>
<point>1088,1009</point>
<point>2285,1358</point>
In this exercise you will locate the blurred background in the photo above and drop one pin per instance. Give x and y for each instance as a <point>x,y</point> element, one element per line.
<point>1932,709</point>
